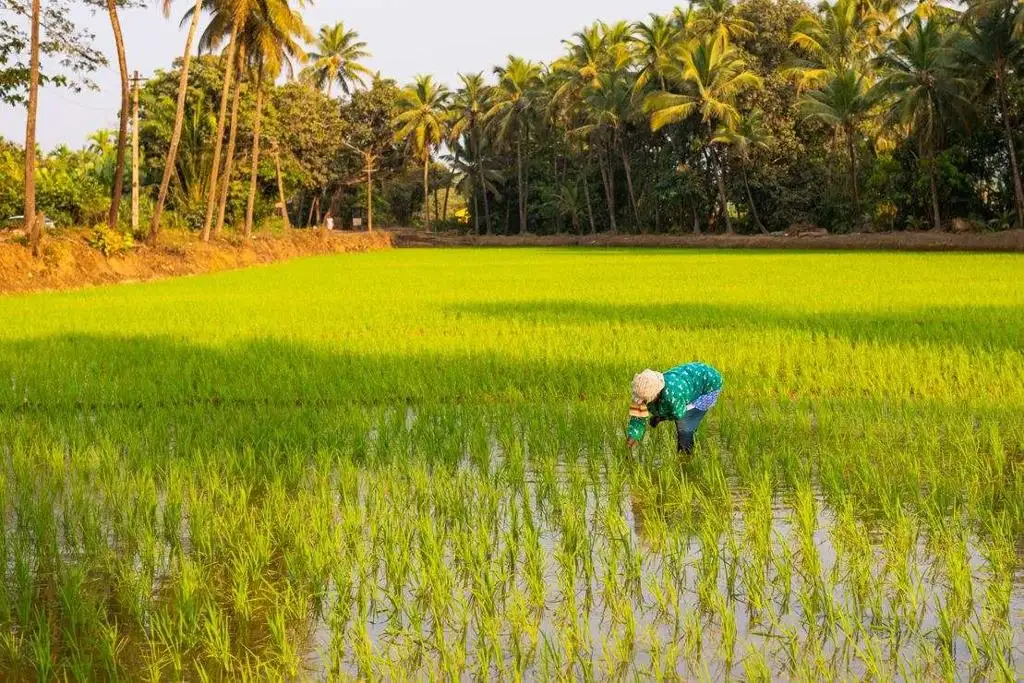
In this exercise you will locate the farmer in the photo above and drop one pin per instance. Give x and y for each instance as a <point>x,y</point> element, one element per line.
<point>683,394</point>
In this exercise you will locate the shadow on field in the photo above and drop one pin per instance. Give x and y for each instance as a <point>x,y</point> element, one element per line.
<point>138,372</point>
<point>989,328</point>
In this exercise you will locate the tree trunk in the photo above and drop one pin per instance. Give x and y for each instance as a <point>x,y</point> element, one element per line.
<point>225,94</point>
<point>312,208</point>
<point>629,184</point>
<point>1018,189</point>
<point>437,208</point>
<point>851,149</point>
<point>280,188</point>
<point>179,119</point>
<point>487,211</point>
<point>254,172</point>
<point>447,189</point>
<point>122,134</point>
<point>586,197</point>
<point>229,160</point>
<point>426,188</point>
<point>609,191</point>
<point>476,210</point>
<point>32,226</point>
<point>369,194</point>
<point>696,219</point>
<point>936,213</point>
<point>750,202</point>
<point>483,185</point>
<point>521,198</point>
<point>723,201</point>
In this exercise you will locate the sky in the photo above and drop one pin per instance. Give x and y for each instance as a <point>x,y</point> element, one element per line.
<point>406,37</point>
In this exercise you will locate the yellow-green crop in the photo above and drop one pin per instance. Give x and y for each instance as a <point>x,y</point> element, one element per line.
<point>411,464</point>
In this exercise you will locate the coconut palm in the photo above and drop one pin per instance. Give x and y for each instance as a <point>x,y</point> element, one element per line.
<point>31,220</point>
<point>509,117</point>
<point>336,57</point>
<point>579,67</point>
<point>179,118</point>
<point>270,41</point>
<point>721,19</point>
<point>470,104</point>
<point>122,136</point>
<point>422,111</point>
<point>749,135</point>
<point>606,109</point>
<point>655,39</point>
<point>842,103</point>
<point>923,91</point>
<point>993,55</point>
<point>711,75</point>
<point>836,39</point>
<point>227,20</point>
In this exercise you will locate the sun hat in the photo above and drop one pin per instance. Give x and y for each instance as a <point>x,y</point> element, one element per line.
<point>646,387</point>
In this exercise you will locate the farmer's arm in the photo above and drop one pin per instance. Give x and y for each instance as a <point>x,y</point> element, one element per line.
<point>637,428</point>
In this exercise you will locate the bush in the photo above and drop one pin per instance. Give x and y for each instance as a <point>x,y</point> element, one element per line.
<point>110,242</point>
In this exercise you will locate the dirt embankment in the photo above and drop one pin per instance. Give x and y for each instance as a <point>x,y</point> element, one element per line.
<point>1008,241</point>
<point>68,261</point>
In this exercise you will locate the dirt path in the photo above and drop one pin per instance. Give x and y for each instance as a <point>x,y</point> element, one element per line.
<point>69,262</point>
<point>1008,241</point>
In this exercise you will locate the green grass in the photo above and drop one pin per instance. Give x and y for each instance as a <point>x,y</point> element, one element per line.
<point>411,464</point>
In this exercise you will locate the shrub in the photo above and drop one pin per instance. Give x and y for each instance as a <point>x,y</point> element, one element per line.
<point>110,242</point>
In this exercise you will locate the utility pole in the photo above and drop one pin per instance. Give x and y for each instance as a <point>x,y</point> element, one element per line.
<point>135,152</point>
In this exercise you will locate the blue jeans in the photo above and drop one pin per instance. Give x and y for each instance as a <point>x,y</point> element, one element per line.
<point>686,428</point>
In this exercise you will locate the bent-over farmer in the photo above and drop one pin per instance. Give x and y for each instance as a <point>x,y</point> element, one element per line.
<point>683,394</point>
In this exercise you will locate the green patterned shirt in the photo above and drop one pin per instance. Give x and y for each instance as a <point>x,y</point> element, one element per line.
<point>683,385</point>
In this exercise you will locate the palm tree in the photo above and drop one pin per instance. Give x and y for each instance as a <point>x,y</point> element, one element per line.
<point>420,121</point>
<point>475,177</point>
<point>179,118</point>
<point>655,40</point>
<point>510,113</point>
<point>721,19</point>
<point>605,109</point>
<point>923,90</point>
<point>468,109</point>
<point>711,74</point>
<point>228,17</point>
<point>842,103</point>
<point>269,43</point>
<point>993,55</point>
<point>122,136</point>
<point>837,39</point>
<point>33,225</point>
<point>336,58</point>
<point>749,135</point>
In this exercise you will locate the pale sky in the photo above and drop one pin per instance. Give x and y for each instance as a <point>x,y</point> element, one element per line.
<point>406,37</point>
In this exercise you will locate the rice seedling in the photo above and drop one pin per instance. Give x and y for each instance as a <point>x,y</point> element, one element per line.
<point>415,470</point>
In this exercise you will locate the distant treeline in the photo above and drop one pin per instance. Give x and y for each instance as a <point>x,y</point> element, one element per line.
<point>743,117</point>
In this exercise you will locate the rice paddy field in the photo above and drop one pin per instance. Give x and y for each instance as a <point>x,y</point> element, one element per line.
<point>411,465</point>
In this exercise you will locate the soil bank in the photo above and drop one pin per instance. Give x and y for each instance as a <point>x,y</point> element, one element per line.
<point>1006,241</point>
<point>68,261</point>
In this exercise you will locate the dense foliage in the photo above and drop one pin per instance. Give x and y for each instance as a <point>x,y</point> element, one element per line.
<point>750,116</point>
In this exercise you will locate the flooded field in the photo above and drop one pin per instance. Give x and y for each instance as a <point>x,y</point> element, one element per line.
<point>412,466</point>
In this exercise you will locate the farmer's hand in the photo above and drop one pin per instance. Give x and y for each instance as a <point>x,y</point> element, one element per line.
<point>631,443</point>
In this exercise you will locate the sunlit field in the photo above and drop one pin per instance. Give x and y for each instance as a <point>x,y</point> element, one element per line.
<point>411,465</point>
